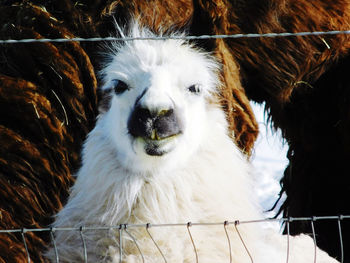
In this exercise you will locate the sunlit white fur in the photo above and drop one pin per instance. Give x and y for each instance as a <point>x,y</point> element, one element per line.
<point>203,177</point>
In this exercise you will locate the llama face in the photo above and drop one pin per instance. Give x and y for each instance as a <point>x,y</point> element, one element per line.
<point>157,93</point>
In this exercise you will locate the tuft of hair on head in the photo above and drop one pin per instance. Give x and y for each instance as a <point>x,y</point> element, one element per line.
<point>138,38</point>
<point>127,32</point>
<point>133,30</point>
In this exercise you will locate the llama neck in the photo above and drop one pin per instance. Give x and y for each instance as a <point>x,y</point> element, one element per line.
<point>162,196</point>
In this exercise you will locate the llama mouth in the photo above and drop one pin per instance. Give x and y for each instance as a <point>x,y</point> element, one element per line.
<point>159,147</point>
<point>154,150</point>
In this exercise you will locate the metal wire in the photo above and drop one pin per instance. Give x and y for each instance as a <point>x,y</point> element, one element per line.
<point>266,220</point>
<point>314,238</point>
<point>202,37</point>
<point>120,243</point>
<point>133,239</point>
<point>240,237</point>
<point>25,244</point>
<point>288,235</point>
<point>84,244</point>
<point>225,224</point>
<point>341,238</point>
<point>189,224</point>
<point>148,225</point>
<point>52,231</point>
<point>228,240</point>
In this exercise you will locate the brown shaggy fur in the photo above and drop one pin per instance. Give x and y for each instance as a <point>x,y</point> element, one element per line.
<point>48,98</point>
<point>47,106</point>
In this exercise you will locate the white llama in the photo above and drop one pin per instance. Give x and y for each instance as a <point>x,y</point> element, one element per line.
<point>160,153</point>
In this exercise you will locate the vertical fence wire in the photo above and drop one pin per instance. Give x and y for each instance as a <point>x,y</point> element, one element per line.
<point>84,243</point>
<point>148,225</point>
<point>314,238</point>
<point>189,224</point>
<point>120,243</point>
<point>135,242</point>
<point>25,244</point>
<point>288,235</point>
<point>52,230</point>
<point>226,223</point>
<point>240,237</point>
<point>341,239</point>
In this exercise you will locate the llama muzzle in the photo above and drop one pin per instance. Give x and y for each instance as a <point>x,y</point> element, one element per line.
<point>155,125</point>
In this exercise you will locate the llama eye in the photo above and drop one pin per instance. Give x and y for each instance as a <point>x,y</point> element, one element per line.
<point>194,88</point>
<point>119,86</point>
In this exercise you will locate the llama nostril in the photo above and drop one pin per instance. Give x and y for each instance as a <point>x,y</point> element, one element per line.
<point>140,123</point>
<point>167,124</point>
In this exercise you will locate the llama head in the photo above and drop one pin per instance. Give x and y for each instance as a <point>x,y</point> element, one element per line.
<point>155,102</point>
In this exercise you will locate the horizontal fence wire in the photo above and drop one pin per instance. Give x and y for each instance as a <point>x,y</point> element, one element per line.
<point>148,225</point>
<point>202,37</point>
<point>124,228</point>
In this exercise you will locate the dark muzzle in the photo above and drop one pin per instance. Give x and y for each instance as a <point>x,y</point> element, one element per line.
<point>154,125</point>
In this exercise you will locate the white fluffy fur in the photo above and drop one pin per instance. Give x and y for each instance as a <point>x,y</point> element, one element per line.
<point>203,177</point>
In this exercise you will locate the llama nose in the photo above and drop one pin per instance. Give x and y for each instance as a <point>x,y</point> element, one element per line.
<point>155,125</point>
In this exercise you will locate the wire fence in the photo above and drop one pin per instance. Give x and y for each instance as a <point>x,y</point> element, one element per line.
<point>124,230</point>
<point>202,37</point>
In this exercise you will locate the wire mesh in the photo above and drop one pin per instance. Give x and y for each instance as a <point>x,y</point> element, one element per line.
<point>124,228</point>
